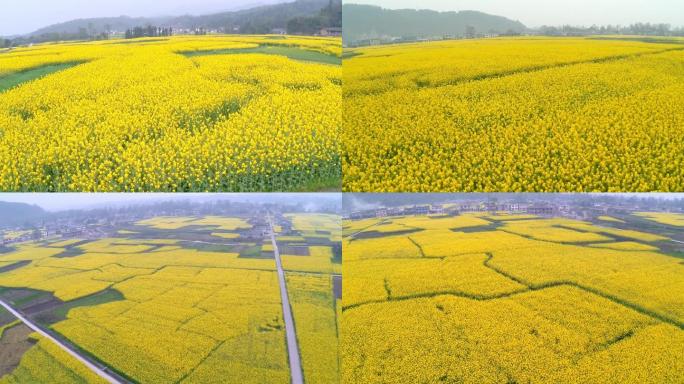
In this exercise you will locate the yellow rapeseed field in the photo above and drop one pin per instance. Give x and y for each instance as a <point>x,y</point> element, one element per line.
<point>320,259</point>
<point>532,300</point>
<point>182,314</point>
<point>188,323</point>
<point>159,115</point>
<point>312,222</point>
<point>514,114</point>
<point>314,310</point>
<point>185,315</point>
<point>611,219</point>
<point>674,219</point>
<point>310,280</point>
<point>178,222</point>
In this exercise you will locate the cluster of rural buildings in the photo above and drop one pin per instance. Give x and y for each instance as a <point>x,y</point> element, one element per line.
<point>106,222</point>
<point>383,40</point>
<point>324,32</point>
<point>543,209</point>
<point>458,208</point>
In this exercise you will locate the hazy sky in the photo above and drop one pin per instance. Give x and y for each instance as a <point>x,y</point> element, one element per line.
<point>25,16</point>
<point>534,13</point>
<point>67,201</point>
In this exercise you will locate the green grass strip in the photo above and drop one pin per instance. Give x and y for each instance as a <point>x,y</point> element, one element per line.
<point>14,79</point>
<point>290,52</point>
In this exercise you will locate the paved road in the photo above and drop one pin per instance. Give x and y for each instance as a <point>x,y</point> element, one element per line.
<point>97,370</point>
<point>292,347</point>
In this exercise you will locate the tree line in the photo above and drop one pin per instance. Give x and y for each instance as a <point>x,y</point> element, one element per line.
<point>282,17</point>
<point>149,31</point>
<point>330,16</point>
<point>640,29</point>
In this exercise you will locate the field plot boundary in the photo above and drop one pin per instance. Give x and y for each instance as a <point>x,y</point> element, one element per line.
<point>529,288</point>
<point>540,68</point>
<point>529,69</point>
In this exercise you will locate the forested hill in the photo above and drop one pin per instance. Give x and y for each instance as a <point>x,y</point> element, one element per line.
<point>367,22</point>
<point>261,19</point>
<point>19,213</point>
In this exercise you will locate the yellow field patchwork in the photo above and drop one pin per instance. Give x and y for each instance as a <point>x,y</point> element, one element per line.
<point>291,239</point>
<point>506,217</point>
<point>442,222</point>
<point>268,247</point>
<point>442,243</point>
<point>373,280</point>
<point>312,222</point>
<point>549,230</point>
<point>394,247</point>
<point>320,260</point>
<point>167,222</point>
<point>178,321</point>
<point>627,233</point>
<point>674,219</point>
<point>223,223</point>
<point>626,246</point>
<point>109,245</point>
<point>494,306</point>
<point>352,226</point>
<point>226,235</point>
<point>610,219</point>
<point>559,334</point>
<point>65,243</point>
<point>648,279</point>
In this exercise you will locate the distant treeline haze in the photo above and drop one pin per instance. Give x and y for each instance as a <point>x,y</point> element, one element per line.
<point>306,17</point>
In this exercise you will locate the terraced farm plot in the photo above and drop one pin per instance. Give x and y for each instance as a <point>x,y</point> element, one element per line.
<point>521,114</point>
<point>672,219</point>
<point>224,227</point>
<point>495,306</point>
<point>212,113</point>
<point>154,307</point>
<point>312,244</point>
<point>315,225</point>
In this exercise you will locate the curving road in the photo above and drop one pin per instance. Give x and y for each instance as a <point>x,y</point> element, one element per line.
<point>96,369</point>
<point>292,347</point>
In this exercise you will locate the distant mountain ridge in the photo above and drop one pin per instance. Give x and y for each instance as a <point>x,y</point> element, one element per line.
<point>369,21</point>
<point>19,213</point>
<point>260,19</point>
<point>120,23</point>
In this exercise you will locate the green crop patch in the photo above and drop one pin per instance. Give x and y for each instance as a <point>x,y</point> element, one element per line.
<point>290,52</point>
<point>12,80</point>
